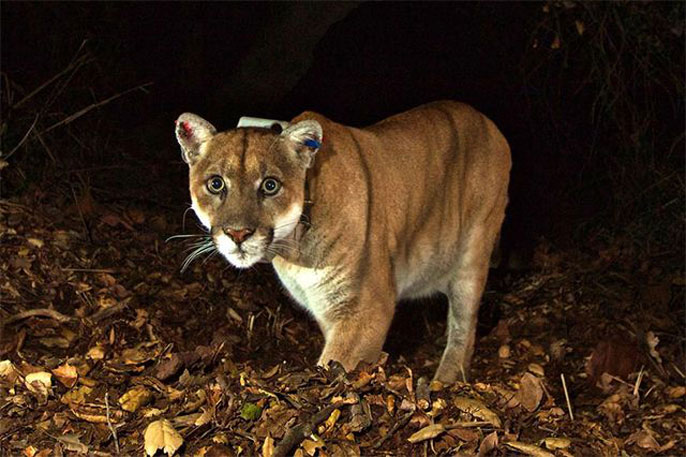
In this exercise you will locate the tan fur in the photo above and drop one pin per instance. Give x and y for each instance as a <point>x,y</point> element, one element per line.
<point>405,208</point>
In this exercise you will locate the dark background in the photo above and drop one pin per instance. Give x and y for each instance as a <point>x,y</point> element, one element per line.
<point>590,96</point>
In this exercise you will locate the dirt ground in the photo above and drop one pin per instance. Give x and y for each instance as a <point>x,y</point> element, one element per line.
<point>106,348</point>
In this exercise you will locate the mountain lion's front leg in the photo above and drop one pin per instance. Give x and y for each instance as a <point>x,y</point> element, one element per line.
<point>356,330</point>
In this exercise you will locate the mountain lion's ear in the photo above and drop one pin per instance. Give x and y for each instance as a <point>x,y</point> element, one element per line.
<point>306,138</point>
<point>191,132</point>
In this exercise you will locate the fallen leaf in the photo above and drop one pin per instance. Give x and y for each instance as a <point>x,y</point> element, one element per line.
<point>489,443</point>
<point>76,396</point>
<point>359,420</point>
<point>55,342</point>
<point>435,386</point>
<point>66,374</point>
<point>97,352</point>
<point>268,447</point>
<point>558,350</point>
<point>250,411</point>
<point>39,383</point>
<point>465,434</point>
<point>537,370</point>
<point>676,392</point>
<point>665,447</point>
<point>95,412</point>
<point>135,356</point>
<point>477,409</point>
<point>8,373</point>
<point>502,331</point>
<point>644,440</point>
<point>152,412</point>
<point>136,215</point>
<point>135,398</point>
<point>427,433</point>
<point>612,408</point>
<point>169,367</point>
<point>185,420</point>
<point>530,392</point>
<point>161,435</point>
<point>437,407</point>
<point>552,443</point>
<point>35,242</point>
<point>652,340</point>
<point>612,357</point>
<point>333,417</point>
<point>529,449</point>
<point>204,418</point>
<point>220,438</point>
<point>310,446</point>
<point>362,380</point>
<point>72,443</point>
<point>218,450</point>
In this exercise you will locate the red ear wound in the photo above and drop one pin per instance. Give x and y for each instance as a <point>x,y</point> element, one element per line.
<point>185,130</point>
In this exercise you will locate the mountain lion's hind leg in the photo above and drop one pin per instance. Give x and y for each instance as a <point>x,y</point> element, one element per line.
<point>464,296</point>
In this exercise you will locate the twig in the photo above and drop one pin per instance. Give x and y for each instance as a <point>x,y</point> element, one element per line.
<point>401,423</point>
<point>109,423</point>
<point>83,219</point>
<point>46,147</point>
<point>297,434</point>
<point>83,111</point>
<point>23,140</point>
<point>107,312</point>
<point>90,270</point>
<point>42,312</point>
<point>467,424</point>
<point>569,403</point>
<point>76,62</point>
<point>638,382</point>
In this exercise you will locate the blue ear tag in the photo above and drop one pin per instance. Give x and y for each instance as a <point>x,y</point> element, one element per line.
<point>310,143</point>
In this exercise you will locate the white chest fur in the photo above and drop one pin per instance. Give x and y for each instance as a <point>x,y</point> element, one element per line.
<point>308,286</point>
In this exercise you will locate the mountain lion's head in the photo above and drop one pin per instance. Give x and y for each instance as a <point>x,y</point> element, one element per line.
<point>247,184</point>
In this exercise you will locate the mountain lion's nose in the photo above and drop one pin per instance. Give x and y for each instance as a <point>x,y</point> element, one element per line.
<point>238,235</point>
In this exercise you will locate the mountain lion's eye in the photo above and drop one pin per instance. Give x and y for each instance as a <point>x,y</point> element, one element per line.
<point>215,184</point>
<point>270,186</point>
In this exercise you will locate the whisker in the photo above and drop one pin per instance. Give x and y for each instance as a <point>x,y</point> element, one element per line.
<point>195,254</point>
<point>183,219</point>
<point>196,247</point>
<point>190,235</point>
<point>212,254</point>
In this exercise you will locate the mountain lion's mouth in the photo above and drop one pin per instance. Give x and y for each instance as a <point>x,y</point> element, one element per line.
<point>243,255</point>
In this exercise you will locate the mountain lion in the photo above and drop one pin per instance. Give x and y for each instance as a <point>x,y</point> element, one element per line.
<point>355,219</point>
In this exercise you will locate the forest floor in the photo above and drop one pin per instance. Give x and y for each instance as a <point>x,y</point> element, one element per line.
<point>106,348</point>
